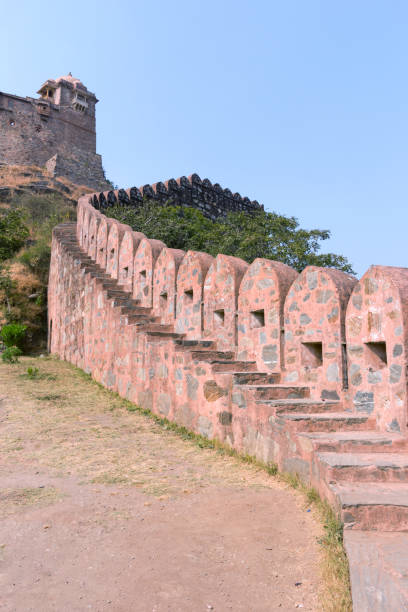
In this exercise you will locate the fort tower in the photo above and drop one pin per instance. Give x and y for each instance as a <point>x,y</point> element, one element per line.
<point>56,130</point>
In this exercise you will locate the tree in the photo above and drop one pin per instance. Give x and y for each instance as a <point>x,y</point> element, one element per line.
<point>13,233</point>
<point>259,234</point>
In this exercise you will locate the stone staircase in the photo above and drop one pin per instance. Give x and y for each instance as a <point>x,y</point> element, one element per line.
<point>362,472</point>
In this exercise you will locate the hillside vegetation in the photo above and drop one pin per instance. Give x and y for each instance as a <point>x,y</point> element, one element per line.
<point>32,203</point>
<point>248,236</point>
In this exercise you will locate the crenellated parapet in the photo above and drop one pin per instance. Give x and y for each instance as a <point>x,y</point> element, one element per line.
<point>211,199</point>
<point>322,329</point>
<point>306,371</point>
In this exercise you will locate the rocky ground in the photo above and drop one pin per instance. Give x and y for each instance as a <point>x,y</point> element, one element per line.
<point>103,509</point>
<point>21,180</point>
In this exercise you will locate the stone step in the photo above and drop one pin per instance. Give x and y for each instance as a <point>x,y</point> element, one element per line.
<point>331,421</point>
<point>87,265</point>
<point>363,467</point>
<point>157,327</point>
<point>251,378</point>
<point>131,306</point>
<point>162,334</point>
<point>212,355</point>
<point>231,367</point>
<point>137,320</point>
<point>109,284</point>
<point>117,293</point>
<point>378,564</point>
<point>354,441</point>
<point>122,302</point>
<point>268,392</point>
<point>89,268</point>
<point>304,405</point>
<point>194,344</point>
<point>132,311</point>
<point>374,506</point>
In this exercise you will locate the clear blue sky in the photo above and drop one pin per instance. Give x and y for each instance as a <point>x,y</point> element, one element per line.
<point>301,105</point>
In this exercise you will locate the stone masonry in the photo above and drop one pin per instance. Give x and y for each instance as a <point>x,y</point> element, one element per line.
<point>307,371</point>
<point>211,199</point>
<point>56,131</point>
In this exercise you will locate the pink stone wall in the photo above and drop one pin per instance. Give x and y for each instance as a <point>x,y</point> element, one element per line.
<point>221,288</point>
<point>116,232</point>
<point>164,284</point>
<point>128,247</point>
<point>82,207</point>
<point>260,313</point>
<point>191,370</point>
<point>314,344</point>
<point>94,221</point>
<point>145,258</point>
<point>101,242</point>
<point>377,343</point>
<point>189,300</point>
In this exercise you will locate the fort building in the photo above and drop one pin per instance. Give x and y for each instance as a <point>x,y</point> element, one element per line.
<point>55,131</point>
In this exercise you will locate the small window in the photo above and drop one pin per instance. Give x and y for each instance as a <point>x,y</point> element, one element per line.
<point>125,272</point>
<point>112,253</point>
<point>219,316</point>
<point>312,354</point>
<point>12,122</point>
<point>188,296</point>
<point>163,299</point>
<point>142,274</point>
<point>257,318</point>
<point>344,365</point>
<point>376,354</point>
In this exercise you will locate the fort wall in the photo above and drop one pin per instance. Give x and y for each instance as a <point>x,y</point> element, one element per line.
<point>210,198</point>
<point>306,371</point>
<point>322,330</point>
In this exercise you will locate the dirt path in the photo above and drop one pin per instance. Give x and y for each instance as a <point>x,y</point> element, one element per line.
<point>102,509</point>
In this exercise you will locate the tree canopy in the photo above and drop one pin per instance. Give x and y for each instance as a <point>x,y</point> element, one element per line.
<point>13,233</point>
<point>248,236</point>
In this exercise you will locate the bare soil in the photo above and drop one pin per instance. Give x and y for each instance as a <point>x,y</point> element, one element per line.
<point>102,509</point>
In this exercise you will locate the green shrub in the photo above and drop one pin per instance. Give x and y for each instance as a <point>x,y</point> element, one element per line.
<point>11,354</point>
<point>37,259</point>
<point>13,334</point>
<point>248,236</point>
<point>13,232</point>
<point>32,373</point>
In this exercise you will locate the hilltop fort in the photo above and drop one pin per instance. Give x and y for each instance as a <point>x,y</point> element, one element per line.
<point>56,131</point>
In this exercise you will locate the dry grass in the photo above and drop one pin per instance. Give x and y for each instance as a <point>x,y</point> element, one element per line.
<point>21,176</point>
<point>14,500</point>
<point>73,426</point>
<point>68,423</point>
